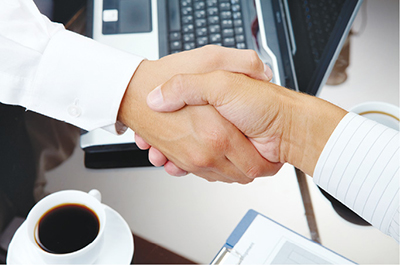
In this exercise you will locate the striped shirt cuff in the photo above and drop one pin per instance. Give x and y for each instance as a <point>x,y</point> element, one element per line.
<point>359,166</point>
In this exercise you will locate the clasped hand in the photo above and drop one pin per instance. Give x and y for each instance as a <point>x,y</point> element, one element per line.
<point>223,142</point>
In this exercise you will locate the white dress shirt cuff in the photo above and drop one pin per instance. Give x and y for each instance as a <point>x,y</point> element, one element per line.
<point>359,166</point>
<point>81,81</point>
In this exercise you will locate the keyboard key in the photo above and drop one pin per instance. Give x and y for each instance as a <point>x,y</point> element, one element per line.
<point>199,5</point>
<point>201,22</point>
<point>213,20</point>
<point>225,6</point>
<point>212,3</point>
<point>214,28</point>
<point>239,38</point>
<point>200,14</point>
<point>186,3</point>
<point>226,15</point>
<point>215,38</point>
<point>188,28</point>
<point>236,8</point>
<point>239,30</point>
<point>241,45</point>
<point>237,15</point>
<point>202,41</point>
<point>176,45</point>
<point>174,36</point>
<point>200,32</point>
<point>229,42</point>
<point>238,23</point>
<point>187,11</point>
<point>227,24</point>
<point>189,37</point>
<point>189,46</point>
<point>187,20</point>
<point>212,11</point>
<point>228,33</point>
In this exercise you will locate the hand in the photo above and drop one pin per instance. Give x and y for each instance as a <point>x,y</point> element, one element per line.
<point>196,139</point>
<point>284,125</point>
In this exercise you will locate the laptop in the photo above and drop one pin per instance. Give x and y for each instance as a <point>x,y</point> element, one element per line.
<point>299,39</point>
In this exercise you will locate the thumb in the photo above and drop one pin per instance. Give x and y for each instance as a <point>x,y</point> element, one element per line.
<point>194,89</point>
<point>180,90</point>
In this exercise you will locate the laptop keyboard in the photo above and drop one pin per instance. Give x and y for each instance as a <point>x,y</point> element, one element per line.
<point>195,23</point>
<point>320,16</point>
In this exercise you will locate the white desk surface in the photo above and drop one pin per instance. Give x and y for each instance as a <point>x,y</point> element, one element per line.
<point>193,217</point>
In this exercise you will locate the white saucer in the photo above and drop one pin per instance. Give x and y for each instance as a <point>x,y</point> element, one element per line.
<point>118,243</point>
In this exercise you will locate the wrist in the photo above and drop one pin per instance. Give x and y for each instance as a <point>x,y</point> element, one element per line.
<point>312,121</point>
<point>132,101</point>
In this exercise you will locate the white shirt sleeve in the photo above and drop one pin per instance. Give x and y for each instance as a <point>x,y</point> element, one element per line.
<point>58,73</point>
<point>359,166</point>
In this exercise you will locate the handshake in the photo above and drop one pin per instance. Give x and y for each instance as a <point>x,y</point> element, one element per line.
<point>213,112</point>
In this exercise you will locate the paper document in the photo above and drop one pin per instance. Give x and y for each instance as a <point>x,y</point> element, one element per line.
<point>260,240</point>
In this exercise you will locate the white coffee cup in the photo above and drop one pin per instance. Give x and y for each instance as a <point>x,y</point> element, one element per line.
<point>381,112</point>
<point>85,255</point>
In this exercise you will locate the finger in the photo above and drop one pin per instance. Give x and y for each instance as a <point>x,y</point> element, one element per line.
<point>220,170</point>
<point>214,177</point>
<point>230,174</point>
<point>157,158</point>
<point>246,62</point>
<point>173,170</point>
<point>248,160</point>
<point>236,60</point>
<point>141,143</point>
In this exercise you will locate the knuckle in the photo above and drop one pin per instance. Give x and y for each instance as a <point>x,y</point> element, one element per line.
<point>254,60</point>
<point>203,161</point>
<point>178,82</point>
<point>253,172</point>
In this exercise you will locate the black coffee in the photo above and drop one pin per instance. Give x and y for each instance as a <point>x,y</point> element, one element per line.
<point>67,228</point>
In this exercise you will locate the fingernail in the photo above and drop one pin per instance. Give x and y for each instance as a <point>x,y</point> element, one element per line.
<point>182,174</point>
<point>155,97</point>
<point>268,72</point>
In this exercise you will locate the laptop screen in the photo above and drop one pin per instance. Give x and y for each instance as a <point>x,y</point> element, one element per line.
<point>318,30</point>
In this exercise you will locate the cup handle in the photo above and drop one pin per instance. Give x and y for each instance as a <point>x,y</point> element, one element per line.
<point>95,193</point>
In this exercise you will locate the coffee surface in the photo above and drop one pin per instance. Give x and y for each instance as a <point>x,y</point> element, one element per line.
<point>67,228</point>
